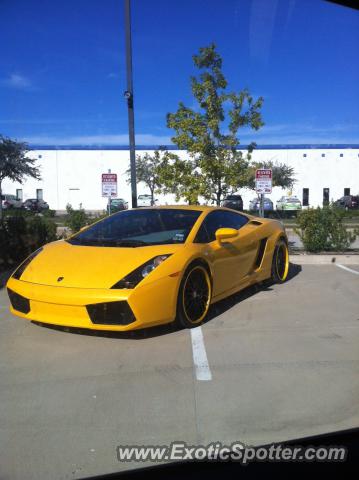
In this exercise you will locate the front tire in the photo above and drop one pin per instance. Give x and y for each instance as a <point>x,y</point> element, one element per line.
<point>194,296</point>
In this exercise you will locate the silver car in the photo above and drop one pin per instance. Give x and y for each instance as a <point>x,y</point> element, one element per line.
<point>255,204</point>
<point>10,201</point>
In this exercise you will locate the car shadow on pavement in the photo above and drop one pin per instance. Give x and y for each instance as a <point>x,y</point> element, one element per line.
<point>215,310</point>
<point>227,303</point>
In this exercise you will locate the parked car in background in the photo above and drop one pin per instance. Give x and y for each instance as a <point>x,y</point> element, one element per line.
<point>255,204</point>
<point>348,202</point>
<point>144,200</point>
<point>35,205</point>
<point>289,204</point>
<point>233,201</point>
<point>10,201</point>
<point>118,204</point>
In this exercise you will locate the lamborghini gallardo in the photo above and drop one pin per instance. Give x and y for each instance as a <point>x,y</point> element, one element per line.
<point>149,266</point>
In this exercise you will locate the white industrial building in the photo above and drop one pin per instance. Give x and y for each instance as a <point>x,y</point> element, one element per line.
<point>73,174</point>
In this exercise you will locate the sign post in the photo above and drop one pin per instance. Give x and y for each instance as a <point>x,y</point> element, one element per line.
<point>263,185</point>
<point>109,187</point>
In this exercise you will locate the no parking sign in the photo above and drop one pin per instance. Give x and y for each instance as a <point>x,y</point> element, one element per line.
<point>264,180</point>
<point>109,184</point>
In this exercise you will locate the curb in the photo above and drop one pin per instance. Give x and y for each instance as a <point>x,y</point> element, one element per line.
<point>291,229</point>
<point>326,259</point>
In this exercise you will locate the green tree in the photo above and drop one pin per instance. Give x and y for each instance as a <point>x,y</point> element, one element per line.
<point>180,177</point>
<point>14,164</point>
<point>148,171</point>
<point>209,133</point>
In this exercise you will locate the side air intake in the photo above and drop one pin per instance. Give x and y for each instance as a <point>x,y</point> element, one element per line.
<point>260,254</point>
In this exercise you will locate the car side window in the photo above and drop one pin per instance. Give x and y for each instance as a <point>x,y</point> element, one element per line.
<point>218,219</point>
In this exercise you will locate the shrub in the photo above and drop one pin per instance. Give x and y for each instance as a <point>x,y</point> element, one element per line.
<point>49,213</point>
<point>322,229</point>
<point>22,234</point>
<point>40,230</point>
<point>12,239</point>
<point>75,219</point>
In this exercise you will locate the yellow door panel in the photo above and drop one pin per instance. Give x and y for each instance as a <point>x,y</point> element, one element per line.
<point>233,259</point>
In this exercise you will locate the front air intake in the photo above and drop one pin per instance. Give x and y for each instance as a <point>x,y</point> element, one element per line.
<point>19,303</point>
<point>111,313</point>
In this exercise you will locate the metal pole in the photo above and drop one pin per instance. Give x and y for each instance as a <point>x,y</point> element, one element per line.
<point>261,206</point>
<point>109,199</point>
<point>129,97</point>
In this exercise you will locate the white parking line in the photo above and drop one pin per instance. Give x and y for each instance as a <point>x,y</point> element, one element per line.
<point>347,268</point>
<point>203,372</point>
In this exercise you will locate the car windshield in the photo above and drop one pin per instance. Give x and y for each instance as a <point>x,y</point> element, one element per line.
<point>136,228</point>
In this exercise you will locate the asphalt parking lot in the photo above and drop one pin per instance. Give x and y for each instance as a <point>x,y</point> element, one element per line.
<point>269,365</point>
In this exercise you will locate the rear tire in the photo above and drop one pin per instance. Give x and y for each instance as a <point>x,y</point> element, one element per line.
<point>280,262</point>
<point>194,296</point>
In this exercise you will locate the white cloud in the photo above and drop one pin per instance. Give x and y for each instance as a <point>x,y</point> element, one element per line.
<point>113,75</point>
<point>302,133</point>
<point>17,81</point>
<point>106,140</point>
<point>269,134</point>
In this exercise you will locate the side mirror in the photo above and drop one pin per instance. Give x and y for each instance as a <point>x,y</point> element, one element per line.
<point>225,234</point>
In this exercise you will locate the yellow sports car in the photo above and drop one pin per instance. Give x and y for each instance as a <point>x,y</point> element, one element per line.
<point>149,266</point>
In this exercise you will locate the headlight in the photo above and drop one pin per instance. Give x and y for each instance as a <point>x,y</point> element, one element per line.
<point>20,270</point>
<point>135,277</point>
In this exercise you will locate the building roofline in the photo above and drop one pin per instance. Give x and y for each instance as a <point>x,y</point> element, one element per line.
<point>306,146</point>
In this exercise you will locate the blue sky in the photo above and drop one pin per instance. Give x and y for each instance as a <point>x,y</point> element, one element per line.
<point>62,71</point>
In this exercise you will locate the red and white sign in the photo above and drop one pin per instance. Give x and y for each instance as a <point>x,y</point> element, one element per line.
<point>264,180</point>
<point>109,184</point>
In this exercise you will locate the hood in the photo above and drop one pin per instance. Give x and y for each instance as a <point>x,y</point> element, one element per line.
<point>88,267</point>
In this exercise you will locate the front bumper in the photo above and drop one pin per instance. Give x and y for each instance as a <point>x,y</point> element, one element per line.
<point>151,304</point>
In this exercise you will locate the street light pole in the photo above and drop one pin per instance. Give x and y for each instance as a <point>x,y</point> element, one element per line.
<point>129,96</point>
